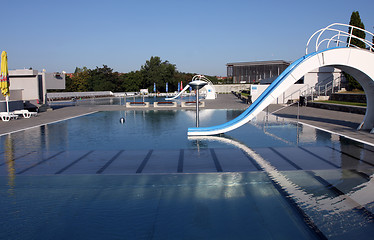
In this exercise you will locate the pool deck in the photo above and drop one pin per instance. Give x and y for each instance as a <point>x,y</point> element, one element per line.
<point>338,122</point>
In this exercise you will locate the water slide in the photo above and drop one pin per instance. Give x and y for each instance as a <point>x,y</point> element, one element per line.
<point>210,92</point>
<point>180,93</point>
<point>356,62</point>
<point>279,85</point>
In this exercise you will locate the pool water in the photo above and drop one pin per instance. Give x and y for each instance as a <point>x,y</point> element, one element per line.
<point>202,206</point>
<point>92,177</point>
<point>163,129</point>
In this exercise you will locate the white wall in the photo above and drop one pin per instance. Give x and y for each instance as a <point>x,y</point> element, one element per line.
<point>27,84</point>
<point>54,80</point>
<point>227,88</point>
<point>311,79</point>
<point>26,81</point>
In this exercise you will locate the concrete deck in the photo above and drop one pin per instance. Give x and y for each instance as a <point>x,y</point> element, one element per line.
<point>339,122</point>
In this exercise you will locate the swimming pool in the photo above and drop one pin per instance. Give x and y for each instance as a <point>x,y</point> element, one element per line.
<point>93,177</point>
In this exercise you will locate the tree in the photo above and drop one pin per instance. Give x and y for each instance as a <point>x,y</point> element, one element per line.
<point>131,82</point>
<point>156,71</point>
<point>103,79</point>
<point>153,71</point>
<point>79,70</point>
<point>355,21</point>
<point>79,81</point>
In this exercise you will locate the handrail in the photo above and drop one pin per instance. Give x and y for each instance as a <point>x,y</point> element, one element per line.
<point>299,90</point>
<point>326,87</point>
<point>333,80</point>
<point>336,38</point>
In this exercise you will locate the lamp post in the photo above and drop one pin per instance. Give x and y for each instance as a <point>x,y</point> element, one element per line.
<point>196,85</point>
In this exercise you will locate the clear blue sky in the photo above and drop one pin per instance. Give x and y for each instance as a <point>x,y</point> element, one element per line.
<point>198,36</point>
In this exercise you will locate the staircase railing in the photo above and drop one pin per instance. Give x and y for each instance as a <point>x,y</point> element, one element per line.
<point>322,89</point>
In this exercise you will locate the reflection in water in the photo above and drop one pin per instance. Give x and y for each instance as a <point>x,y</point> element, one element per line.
<point>346,146</point>
<point>294,133</point>
<point>9,160</point>
<point>331,213</point>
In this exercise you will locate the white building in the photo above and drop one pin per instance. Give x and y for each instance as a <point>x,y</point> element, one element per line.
<point>30,86</point>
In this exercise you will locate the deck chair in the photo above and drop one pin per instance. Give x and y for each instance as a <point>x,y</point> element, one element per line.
<point>5,116</point>
<point>25,113</point>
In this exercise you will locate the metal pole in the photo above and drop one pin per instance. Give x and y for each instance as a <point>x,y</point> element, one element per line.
<point>197,107</point>
<point>7,103</point>
<point>326,90</point>
<point>350,37</point>
<point>298,111</point>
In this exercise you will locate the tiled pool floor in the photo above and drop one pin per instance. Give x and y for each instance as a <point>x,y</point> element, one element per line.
<point>294,192</point>
<point>205,160</point>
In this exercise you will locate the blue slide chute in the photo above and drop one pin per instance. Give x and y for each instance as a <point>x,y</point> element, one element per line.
<point>248,114</point>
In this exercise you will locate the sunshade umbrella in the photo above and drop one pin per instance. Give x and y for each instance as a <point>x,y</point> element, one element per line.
<point>4,78</point>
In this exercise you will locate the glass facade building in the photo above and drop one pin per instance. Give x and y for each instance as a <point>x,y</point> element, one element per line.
<point>253,72</point>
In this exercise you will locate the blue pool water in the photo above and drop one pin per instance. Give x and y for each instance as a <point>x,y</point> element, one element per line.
<point>92,177</point>
<point>159,130</point>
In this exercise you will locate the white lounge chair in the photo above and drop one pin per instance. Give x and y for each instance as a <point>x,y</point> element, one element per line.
<point>25,113</point>
<point>5,116</point>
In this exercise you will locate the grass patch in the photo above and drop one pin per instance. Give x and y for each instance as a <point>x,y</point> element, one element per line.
<point>344,103</point>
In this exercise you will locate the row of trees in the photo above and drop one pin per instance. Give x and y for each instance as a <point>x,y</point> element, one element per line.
<point>161,72</point>
<point>153,71</point>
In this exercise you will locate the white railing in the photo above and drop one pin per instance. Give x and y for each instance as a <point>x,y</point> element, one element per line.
<point>335,34</point>
<point>78,94</point>
<point>298,92</point>
<point>322,89</point>
<point>329,86</point>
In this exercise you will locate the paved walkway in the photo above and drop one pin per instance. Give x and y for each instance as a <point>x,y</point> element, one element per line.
<point>339,122</point>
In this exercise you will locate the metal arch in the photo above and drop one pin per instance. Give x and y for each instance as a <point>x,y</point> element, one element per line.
<point>340,33</point>
<point>202,78</point>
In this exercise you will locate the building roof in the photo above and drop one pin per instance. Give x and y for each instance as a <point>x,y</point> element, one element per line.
<point>256,63</point>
